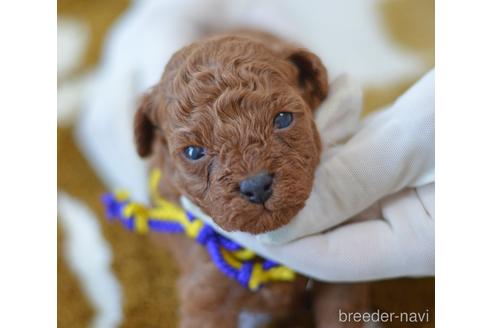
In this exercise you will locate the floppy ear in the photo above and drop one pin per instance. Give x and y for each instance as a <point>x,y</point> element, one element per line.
<point>143,127</point>
<point>312,77</point>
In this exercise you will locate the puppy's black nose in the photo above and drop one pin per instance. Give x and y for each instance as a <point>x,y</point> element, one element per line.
<point>257,188</point>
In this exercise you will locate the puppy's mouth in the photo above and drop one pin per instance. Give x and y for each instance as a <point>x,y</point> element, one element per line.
<point>265,219</point>
<point>272,214</point>
<point>239,214</point>
<point>258,205</point>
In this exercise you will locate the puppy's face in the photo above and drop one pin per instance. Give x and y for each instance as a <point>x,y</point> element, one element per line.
<point>233,121</point>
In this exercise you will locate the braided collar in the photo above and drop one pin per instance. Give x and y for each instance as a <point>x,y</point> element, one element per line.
<point>236,262</point>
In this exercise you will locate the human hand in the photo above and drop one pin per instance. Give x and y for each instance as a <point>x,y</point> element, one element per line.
<point>397,240</point>
<point>393,149</point>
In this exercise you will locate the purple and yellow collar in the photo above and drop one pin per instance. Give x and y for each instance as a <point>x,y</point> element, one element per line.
<point>235,261</point>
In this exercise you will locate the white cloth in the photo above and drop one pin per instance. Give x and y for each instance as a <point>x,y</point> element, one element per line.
<point>392,154</point>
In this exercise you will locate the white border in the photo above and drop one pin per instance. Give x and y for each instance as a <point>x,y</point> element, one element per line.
<point>28,169</point>
<point>464,163</point>
<point>28,172</point>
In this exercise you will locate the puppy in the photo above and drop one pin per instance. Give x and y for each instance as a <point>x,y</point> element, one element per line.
<point>231,127</point>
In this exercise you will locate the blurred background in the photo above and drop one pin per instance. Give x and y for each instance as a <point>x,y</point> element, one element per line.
<point>110,51</point>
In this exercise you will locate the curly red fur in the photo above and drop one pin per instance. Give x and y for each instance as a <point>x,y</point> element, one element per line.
<point>223,93</point>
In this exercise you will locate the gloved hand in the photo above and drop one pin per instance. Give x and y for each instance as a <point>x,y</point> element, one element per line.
<point>394,149</point>
<point>391,154</point>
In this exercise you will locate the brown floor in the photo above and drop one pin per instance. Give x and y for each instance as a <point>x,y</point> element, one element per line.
<point>146,272</point>
<point>73,308</point>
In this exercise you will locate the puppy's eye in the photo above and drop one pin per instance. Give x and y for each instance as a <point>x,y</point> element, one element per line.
<point>282,120</point>
<point>194,152</point>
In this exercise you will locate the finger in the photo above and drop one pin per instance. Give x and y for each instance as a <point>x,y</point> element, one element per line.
<point>359,251</point>
<point>353,252</point>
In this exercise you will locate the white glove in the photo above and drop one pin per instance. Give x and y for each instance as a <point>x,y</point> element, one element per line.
<point>393,153</point>
<point>394,149</point>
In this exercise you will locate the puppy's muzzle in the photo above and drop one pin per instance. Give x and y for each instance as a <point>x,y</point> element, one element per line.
<point>257,189</point>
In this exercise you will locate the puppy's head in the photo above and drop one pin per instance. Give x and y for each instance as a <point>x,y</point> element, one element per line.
<point>231,122</point>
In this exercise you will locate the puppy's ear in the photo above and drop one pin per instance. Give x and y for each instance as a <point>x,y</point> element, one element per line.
<point>312,77</point>
<point>143,127</point>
